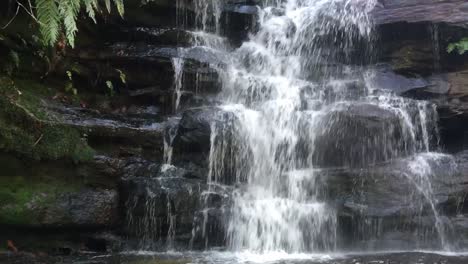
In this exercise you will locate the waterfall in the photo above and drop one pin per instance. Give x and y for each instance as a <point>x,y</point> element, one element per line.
<point>296,106</point>
<point>280,207</point>
<point>178,65</point>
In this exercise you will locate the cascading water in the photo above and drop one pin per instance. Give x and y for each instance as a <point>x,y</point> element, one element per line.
<point>296,106</point>
<point>280,207</point>
<point>178,65</point>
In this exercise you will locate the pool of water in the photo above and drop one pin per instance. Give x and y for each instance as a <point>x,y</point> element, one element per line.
<point>143,257</point>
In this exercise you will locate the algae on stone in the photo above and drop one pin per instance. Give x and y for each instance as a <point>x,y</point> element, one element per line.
<point>27,129</point>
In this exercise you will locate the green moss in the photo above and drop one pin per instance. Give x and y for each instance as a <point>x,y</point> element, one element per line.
<point>27,129</point>
<point>23,200</point>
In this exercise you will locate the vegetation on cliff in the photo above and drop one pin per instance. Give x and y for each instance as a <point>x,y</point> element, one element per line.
<point>27,129</point>
<point>33,38</point>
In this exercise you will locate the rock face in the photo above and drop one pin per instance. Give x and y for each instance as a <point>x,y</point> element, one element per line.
<point>411,195</point>
<point>171,210</point>
<point>86,208</point>
<point>445,90</point>
<point>374,177</point>
<point>392,11</point>
<point>161,207</point>
<point>351,131</point>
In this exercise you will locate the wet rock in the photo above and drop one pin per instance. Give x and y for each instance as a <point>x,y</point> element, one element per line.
<point>119,130</point>
<point>194,129</point>
<point>356,135</point>
<point>449,11</point>
<point>197,73</point>
<point>115,168</point>
<point>418,195</point>
<point>103,242</point>
<point>242,20</point>
<point>453,111</point>
<point>210,223</point>
<point>84,208</point>
<point>399,188</point>
<point>210,227</point>
<point>55,195</point>
<point>152,35</point>
<point>193,140</point>
<point>410,57</point>
<point>387,79</point>
<point>161,207</point>
<point>151,53</point>
<point>445,90</point>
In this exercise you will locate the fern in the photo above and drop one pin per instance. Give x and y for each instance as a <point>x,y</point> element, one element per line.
<point>49,18</point>
<point>108,5</point>
<point>56,16</point>
<point>69,10</point>
<point>120,7</point>
<point>91,6</point>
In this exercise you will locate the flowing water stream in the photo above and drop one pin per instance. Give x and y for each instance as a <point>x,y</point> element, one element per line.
<point>292,90</point>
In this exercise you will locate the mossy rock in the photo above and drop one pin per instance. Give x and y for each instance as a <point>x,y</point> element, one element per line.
<point>54,204</point>
<point>38,194</point>
<point>27,129</point>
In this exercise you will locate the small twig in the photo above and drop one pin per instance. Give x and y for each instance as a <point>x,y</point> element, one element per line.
<point>30,12</point>
<point>38,140</point>
<point>13,18</point>
<point>30,6</point>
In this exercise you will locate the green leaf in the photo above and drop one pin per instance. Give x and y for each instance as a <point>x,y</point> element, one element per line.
<point>108,5</point>
<point>14,57</point>
<point>120,7</point>
<point>122,76</point>
<point>69,10</point>
<point>61,15</point>
<point>91,6</point>
<point>461,46</point>
<point>110,87</point>
<point>450,47</point>
<point>49,19</point>
<point>70,75</point>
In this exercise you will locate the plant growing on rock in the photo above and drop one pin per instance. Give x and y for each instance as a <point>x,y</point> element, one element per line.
<point>460,46</point>
<point>59,17</point>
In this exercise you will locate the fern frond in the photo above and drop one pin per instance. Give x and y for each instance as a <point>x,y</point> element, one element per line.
<point>69,10</point>
<point>57,15</point>
<point>49,19</point>
<point>120,7</point>
<point>91,6</point>
<point>108,5</point>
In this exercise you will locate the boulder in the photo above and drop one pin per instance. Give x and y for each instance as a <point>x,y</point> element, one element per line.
<point>419,195</point>
<point>400,187</point>
<point>356,135</point>
<point>194,129</point>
